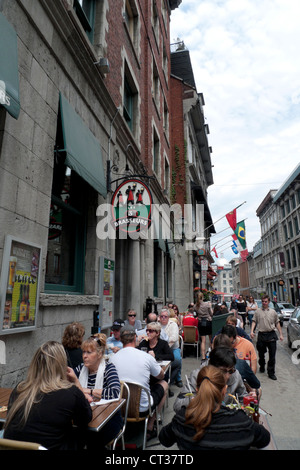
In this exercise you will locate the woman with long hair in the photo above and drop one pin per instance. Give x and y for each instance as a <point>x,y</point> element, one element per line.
<point>205,313</point>
<point>98,380</point>
<point>44,407</point>
<point>206,424</point>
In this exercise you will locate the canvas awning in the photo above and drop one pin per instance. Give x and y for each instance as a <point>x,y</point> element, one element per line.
<point>83,150</point>
<point>9,75</point>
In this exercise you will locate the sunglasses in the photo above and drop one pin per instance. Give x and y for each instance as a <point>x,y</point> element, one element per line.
<point>163,316</point>
<point>131,315</point>
<point>150,331</point>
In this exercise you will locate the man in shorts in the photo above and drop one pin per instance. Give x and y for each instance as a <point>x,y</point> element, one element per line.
<point>135,365</point>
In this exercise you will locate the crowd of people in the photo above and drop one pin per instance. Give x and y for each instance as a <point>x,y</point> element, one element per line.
<point>52,405</point>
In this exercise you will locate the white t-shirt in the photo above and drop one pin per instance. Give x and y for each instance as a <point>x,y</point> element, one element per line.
<point>135,365</point>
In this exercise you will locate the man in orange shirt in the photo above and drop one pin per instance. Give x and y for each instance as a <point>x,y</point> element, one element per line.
<point>243,348</point>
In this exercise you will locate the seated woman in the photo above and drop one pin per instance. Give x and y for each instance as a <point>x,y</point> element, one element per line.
<point>71,341</point>
<point>98,379</point>
<point>156,346</point>
<point>44,407</point>
<point>206,424</point>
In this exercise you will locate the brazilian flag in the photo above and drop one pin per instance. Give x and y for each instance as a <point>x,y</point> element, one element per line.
<point>241,234</point>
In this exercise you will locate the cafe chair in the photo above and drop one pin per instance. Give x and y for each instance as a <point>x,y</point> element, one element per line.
<point>133,415</point>
<point>10,444</point>
<point>190,337</point>
<point>125,393</point>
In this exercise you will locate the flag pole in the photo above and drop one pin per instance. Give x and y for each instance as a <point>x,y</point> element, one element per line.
<point>224,216</point>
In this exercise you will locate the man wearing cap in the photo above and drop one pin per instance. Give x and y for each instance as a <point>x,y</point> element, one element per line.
<point>135,365</point>
<point>114,342</point>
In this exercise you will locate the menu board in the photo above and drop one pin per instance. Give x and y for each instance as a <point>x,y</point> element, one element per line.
<point>19,286</point>
<point>106,291</point>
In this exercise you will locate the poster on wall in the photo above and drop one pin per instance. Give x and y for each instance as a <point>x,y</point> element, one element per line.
<point>19,285</point>
<point>106,292</point>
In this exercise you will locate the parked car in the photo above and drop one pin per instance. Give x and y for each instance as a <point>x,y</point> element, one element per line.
<point>293,329</point>
<point>286,309</point>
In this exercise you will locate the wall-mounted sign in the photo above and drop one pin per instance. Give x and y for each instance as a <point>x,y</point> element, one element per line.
<point>19,286</point>
<point>106,291</point>
<point>131,206</point>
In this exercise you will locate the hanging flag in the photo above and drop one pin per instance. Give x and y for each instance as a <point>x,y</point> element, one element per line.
<point>236,243</point>
<point>215,251</point>
<point>241,233</point>
<point>234,249</point>
<point>244,254</point>
<point>231,218</point>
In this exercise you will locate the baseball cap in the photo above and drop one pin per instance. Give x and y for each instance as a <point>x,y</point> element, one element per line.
<point>117,324</point>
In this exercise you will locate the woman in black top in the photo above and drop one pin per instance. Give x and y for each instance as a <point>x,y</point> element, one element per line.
<point>72,341</point>
<point>242,309</point>
<point>156,346</point>
<point>45,406</point>
<point>206,424</point>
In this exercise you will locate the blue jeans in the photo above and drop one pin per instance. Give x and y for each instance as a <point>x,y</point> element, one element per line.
<point>176,366</point>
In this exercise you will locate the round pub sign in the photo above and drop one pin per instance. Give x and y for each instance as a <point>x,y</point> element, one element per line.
<point>131,206</point>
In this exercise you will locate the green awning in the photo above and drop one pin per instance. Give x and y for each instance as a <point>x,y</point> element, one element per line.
<point>82,148</point>
<point>9,77</point>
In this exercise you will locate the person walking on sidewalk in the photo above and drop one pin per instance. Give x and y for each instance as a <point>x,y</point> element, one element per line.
<point>266,321</point>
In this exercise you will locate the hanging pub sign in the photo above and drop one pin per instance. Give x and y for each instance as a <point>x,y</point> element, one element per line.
<point>131,206</point>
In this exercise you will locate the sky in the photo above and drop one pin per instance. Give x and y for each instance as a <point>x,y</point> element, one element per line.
<point>245,59</point>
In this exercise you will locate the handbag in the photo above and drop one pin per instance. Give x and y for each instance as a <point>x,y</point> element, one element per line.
<point>203,322</point>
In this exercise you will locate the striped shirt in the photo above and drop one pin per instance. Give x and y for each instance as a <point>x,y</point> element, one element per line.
<point>111,383</point>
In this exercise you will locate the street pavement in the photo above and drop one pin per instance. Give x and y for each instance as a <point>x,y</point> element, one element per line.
<point>279,398</point>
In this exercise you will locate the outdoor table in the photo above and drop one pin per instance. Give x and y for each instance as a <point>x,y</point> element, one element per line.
<point>101,413</point>
<point>164,365</point>
<point>4,397</point>
<point>263,419</point>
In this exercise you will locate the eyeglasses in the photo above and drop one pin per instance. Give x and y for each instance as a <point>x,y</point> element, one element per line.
<point>163,316</point>
<point>229,371</point>
<point>150,331</point>
<point>131,315</point>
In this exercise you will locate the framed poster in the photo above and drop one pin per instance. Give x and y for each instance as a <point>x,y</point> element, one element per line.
<point>106,291</point>
<point>19,285</point>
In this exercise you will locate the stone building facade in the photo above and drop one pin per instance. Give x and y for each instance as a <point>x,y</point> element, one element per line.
<point>87,102</point>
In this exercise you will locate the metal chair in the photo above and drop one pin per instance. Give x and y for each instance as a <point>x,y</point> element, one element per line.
<point>133,415</point>
<point>125,393</point>
<point>10,444</point>
<point>190,337</point>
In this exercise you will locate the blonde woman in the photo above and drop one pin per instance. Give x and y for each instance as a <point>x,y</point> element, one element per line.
<point>206,424</point>
<point>98,379</point>
<point>44,407</point>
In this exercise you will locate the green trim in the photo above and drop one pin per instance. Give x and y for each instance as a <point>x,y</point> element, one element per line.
<point>87,19</point>
<point>9,76</point>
